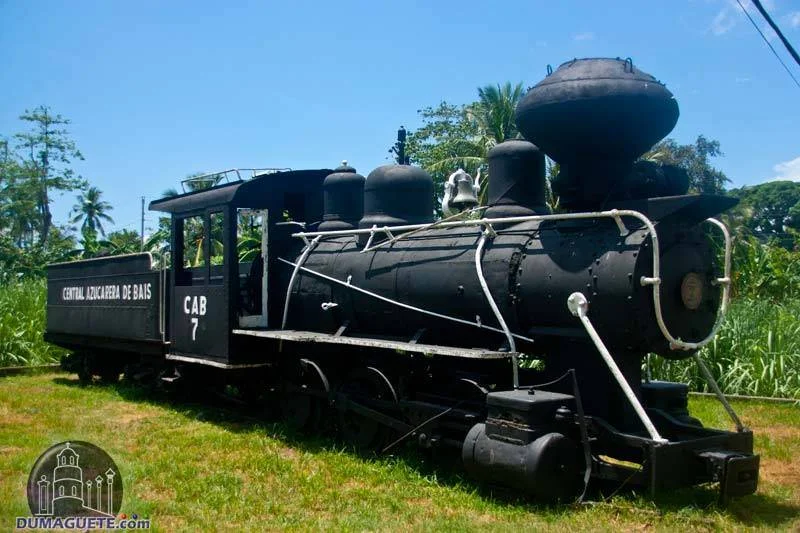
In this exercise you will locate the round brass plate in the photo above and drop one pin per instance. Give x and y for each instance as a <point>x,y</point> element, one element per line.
<point>692,290</point>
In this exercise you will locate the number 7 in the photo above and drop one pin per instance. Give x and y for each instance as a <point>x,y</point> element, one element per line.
<point>195,322</point>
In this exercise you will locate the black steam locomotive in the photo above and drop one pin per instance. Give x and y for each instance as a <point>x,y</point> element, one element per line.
<point>513,335</point>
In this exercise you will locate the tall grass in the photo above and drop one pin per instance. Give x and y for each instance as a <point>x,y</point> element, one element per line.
<point>756,352</point>
<point>22,323</point>
<point>765,270</point>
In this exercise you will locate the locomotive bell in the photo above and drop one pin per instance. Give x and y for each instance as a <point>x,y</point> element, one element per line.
<point>460,193</point>
<point>465,197</point>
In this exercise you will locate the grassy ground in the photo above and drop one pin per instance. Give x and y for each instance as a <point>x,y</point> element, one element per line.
<point>193,466</point>
<point>22,321</point>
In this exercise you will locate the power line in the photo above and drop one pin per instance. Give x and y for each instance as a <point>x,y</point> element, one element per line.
<point>777,30</point>
<point>758,6</point>
<point>141,234</point>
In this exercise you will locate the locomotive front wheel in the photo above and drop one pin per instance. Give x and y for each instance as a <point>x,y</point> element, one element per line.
<point>83,368</point>
<point>367,387</point>
<point>305,398</point>
<point>109,372</point>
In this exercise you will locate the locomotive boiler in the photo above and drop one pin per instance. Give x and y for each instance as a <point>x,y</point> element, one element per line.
<point>510,333</point>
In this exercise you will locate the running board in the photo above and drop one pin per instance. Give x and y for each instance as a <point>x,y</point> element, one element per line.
<point>209,362</point>
<point>326,338</point>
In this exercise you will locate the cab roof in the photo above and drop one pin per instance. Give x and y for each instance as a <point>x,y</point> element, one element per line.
<point>254,193</point>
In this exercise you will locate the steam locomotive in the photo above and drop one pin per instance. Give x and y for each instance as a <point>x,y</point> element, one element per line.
<point>512,335</point>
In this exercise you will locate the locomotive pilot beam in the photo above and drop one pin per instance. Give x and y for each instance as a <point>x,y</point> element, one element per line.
<point>512,336</point>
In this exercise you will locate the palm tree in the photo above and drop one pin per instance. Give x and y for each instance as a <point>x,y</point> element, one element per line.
<point>494,112</point>
<point>194,182</point>
<point>91,211</point>
<point>197,181</point>
<point>124,241</point>
<point>194,231</point>
<point>491,119</point>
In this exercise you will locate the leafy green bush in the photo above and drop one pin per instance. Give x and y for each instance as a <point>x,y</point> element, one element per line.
<point>765,270</point>
<point>756,352</point>
<point>22,323</point>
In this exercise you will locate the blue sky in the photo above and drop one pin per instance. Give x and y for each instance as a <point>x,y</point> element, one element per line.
<point>156,90</point>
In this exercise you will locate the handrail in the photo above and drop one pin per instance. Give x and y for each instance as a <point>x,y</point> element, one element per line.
<point>394,238</point>
<point>238,171</point>
<point>579,306</point>
<point>615,214</point>
<point>307,250</point>
<point>488,234</point>
<point>349,285</point>
<point>718,393</point>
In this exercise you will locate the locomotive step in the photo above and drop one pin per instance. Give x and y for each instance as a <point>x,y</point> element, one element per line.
<point>427,349</point>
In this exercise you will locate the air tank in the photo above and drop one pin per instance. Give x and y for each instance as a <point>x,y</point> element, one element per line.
<point>344,199</point>
<point>516,180</point>
<point>397,195</point>
<point>595,117</point>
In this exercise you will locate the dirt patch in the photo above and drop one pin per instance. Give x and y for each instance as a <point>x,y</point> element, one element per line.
<point>289,453</point>
<point>130,417</point>
<point>150,493</point>
<point>782,472</point>
<point>10,418</point>
<point>354,485</point>
<point>169,522</point>
<point>8,450</point>
<point>779,432</point>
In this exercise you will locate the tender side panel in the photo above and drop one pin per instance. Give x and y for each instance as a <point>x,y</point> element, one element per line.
<point>113,298</point>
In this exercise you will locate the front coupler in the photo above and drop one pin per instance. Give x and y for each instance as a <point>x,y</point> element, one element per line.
<point>691,456</point>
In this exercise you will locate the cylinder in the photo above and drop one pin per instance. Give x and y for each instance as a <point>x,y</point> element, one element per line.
<point>516,180</point>
<point>547,469</point>
<point>344,199</point>
<point>397,195</point>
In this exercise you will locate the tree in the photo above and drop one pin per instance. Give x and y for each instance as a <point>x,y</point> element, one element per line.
<point>124,241</point>
<point>460,136</point>
<point>158,242</point>
<point>91,211</point>
<point>194,231</point>
<point>494,112</point>
<point>447,140</point>
<point>48,153</point>
<point>198,181</point>
<point>16,262</point>
<point>19,211</point>
<point>769,211</point>
<point>695,159</point>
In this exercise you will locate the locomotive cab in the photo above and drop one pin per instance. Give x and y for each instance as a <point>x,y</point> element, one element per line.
<point>224,241</point>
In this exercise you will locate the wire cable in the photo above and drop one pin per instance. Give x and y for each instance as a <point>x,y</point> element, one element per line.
<point>777,30</point>
<point>789,72</point>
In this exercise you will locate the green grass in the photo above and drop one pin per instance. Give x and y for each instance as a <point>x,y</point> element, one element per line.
<point>197,467</point>
<point>22,323</point>
<point>755,353</point>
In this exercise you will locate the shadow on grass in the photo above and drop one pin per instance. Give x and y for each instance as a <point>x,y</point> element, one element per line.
<point>755,510</point>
